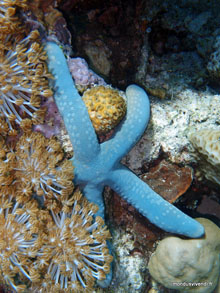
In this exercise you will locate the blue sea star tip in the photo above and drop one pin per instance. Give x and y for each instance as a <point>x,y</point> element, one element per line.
<point>98,165</point>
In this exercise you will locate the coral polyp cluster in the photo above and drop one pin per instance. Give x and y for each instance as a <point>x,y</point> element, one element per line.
<point>48,251</point>
<point>10,24</point>
<point>23,82</point>
<point>6,166</point>
<point>106,107</point>
<point>41,168</point>
<point>23,70</point>
<point>76,253</point>
<point>20,240</point>
<point>50,238</point>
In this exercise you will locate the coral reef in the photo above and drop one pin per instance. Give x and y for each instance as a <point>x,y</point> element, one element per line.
<point>188,265</point>
<point>206,144</point>
<point>99,165</point>
<point>50,236</point>
<point>177,39</point>
<point>106,107</point>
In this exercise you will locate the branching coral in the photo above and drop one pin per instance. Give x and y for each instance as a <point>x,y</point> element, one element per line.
<point>76,253</point>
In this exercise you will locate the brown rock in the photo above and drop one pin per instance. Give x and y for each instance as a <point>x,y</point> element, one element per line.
<point>168,180</point>
<point>209,206</point>
<point>127,217</point>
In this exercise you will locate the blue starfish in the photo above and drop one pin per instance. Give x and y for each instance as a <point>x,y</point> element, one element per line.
<point>98,165</point>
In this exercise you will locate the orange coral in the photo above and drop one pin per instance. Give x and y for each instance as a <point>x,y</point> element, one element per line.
<point>106,107</point>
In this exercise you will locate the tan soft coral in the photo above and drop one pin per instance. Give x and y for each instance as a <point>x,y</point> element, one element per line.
<point>23,82</point>
<point>23,70</point>
<point>7,165</point>
<point>76,253</point>
<point>20,240</point>
<point>59,245</point>
<point>42,169</point>
<point>11,27</point>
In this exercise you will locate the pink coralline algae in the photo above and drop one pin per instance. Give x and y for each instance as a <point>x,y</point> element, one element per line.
<point>52,121</point>
<point>81,73</point>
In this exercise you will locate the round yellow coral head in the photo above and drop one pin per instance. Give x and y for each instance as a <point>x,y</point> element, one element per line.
<point>106,107</point>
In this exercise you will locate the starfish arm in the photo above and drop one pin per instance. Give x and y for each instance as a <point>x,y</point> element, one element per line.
<point>94,194</point>
<point>71,106</point>
<point>133,126</point>
<point>153,206</point>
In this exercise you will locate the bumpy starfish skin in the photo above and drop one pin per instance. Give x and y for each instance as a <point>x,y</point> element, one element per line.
<point>97,165</point>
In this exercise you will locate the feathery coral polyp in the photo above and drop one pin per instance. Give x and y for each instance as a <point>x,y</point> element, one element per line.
<point>7,164</point>
<point>40,168</point>
<point>23,81</point>
<point>76,253</point>
<point>10,25</point>
<point>19,232</point>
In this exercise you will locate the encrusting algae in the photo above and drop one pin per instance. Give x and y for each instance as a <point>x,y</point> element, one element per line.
<point>50,238</point>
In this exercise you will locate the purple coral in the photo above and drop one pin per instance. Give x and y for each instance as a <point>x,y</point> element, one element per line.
<point>82,74</point>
